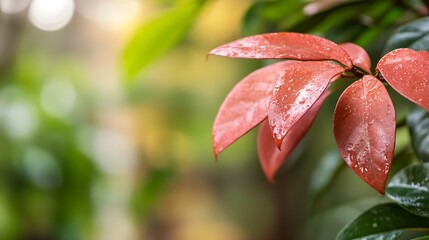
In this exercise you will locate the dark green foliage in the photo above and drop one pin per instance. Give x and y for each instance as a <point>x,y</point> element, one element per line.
<point>410,189</point>
<point>418,123</point>
<point>383,222</point>
<point>414,35</point>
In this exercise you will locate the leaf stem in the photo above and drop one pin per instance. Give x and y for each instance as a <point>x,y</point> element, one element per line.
<point>359,72</point>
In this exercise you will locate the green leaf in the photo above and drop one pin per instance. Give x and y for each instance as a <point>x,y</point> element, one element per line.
<point>385,21</point>
<point>418,123</point>
<point>410,188</point>
<point>156,37</point>
<point>325,173</point>
<point>272,16</point>
<point>387,221</point>
<point>324,19</point>
<point>149,192</point>
<point>414,35</point>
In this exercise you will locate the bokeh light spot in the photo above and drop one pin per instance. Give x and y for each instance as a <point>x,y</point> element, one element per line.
<point>20,120</point>
<point>51,15</point>
<point>118,160</point>
<point>58,97</point>
<point>42,169</point>
<point>13,6</point>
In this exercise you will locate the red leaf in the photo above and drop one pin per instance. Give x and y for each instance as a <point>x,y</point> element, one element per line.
<point>407,71</point>
<point>270,157</point>
<point>358,55</point>
<point>296,91</point>
<point>285,45</point>
<point>245,106</point>
<point>364,129</point>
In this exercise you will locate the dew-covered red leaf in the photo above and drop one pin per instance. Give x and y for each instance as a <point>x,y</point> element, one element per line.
<point>284,45</point>
<point>364,129</point>
<point>359,56</point>
<point>407,71</point>
<point>296,91</point>
<point>245,106</point>
<point>270,157</point>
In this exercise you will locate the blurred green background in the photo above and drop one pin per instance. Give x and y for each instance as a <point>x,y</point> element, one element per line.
<point>106,109</point>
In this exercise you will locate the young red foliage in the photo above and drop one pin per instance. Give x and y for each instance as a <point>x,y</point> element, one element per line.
<point>270,156</point>
<point>301,84</point>
<point>364,128</point>
<point>407,72</point>
<point>359,56</point>
<point>285,45</point>
<point>364,118</point>
<point>245,106</point>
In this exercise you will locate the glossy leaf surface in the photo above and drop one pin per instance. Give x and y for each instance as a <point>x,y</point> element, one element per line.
<point>407,71</point>
<point>270,157</point>
<point>284,45</point>
<point>410,188</point>
<point>245,106</point>
<point>295,92</point>
<point>364,129</point>
<point>418,124</point>
<point>387,221</point>
<point>359,56</point>
<point>156,37</point>
<point>414,35</point>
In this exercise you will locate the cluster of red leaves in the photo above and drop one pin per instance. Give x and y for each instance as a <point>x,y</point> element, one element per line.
<point>286,96</point>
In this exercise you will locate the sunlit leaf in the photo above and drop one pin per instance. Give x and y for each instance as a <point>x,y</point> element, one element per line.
<point>245,106</point>
<point>358,55</point>
<point>156,37</point>
<point>284,45</point>
<point>296,91</point>
<point>410,188</point>
<point>270,157</point>
<point>414,35</point>
<point>385,222</point>
<point>418,124</point>
<point>364,129</point>
<point>407,71</point>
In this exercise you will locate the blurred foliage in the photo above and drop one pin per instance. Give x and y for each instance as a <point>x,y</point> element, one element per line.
<point>418,122</point>
<point>65,164</point>
<point>44,166</point>
<point>156,37</point>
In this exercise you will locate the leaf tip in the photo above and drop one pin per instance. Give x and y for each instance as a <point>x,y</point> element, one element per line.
<point>270,173</point>
<point>278,139</point>
<point>270,178</point>
<point>216,149</point>
<point>380,187</point>
<point>216,51</point>
<point>215,154</point>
